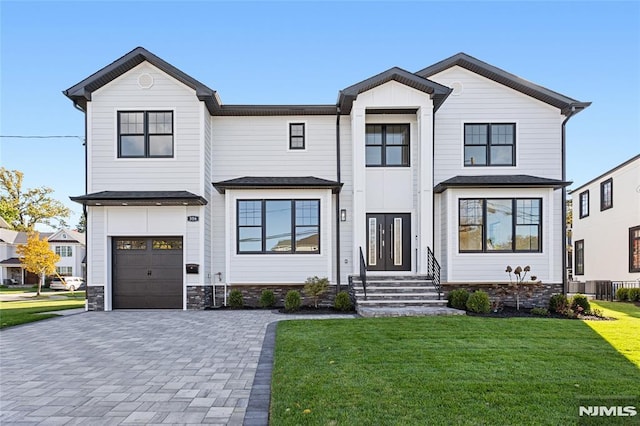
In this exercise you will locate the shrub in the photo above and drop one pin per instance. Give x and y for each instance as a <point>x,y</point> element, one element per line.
<point>543,312</point>
<point>622,294</point>
<point>267,299</point>
<point>343,302</point>
<point>315,287</point>
<point>580,303</point>
<point>478,302</point>
<point>634,295</point>
<point>558,303</point>
<point>458,298</point>
<point>292,301</point>
<point>235,299</point>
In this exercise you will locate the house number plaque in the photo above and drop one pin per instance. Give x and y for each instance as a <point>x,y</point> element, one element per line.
<point>193,218</point>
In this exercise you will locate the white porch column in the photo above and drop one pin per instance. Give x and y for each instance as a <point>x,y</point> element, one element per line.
<point>425,188</point>
<point>359,183</point>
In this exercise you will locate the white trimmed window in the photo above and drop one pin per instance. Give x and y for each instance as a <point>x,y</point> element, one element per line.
<point>64,251</point>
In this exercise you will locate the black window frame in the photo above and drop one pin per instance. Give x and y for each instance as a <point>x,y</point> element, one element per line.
<point>578,257</point>
<point>514,225</point>
<point>146,134</point>
<point>634,268</point>
<point>293,137</point>
<point>603,201</point>
<point>263,226</point>
<point>383,146</point>
<point>584,195</point>
<point>488,145</point>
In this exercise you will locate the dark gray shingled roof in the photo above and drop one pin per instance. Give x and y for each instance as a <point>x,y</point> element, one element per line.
<point>81,92</point>
<point>277,182</point>
<point>140,198</point>
<point>437,91</point>
<point>567,105</point>
<point>514,181</point>
<point>11,261</point>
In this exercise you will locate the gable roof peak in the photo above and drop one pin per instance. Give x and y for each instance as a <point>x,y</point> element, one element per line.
<point>81,92</point>
<point>568,106</point>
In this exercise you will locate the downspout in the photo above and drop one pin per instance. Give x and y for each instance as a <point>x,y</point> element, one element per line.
<point>85,211</point>
<point>338,177</point>
<point>565,282</point>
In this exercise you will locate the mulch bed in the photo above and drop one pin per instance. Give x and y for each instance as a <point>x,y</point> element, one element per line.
<point>310,310</point>
<point>512,312</point>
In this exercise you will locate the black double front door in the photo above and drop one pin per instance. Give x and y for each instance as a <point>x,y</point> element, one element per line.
<point>388,242</point>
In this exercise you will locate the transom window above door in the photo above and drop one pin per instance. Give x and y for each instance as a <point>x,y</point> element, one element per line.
<point>145,134</point>
<point>489,144</point>
<point>387,145</point>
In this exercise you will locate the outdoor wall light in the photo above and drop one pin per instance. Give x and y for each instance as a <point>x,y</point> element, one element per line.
<point>343,215</point>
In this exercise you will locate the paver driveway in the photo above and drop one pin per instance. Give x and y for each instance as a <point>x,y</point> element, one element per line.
<point>132,367</point>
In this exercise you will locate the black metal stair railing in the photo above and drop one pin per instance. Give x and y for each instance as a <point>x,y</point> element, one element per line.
<point>363,273</point>
<point>433,269</point>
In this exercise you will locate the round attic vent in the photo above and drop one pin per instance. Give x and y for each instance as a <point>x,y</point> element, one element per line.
<point>145,81</point>
<point>457,88</point>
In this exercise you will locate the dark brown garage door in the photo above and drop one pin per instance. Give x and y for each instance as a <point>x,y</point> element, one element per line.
<point>147,273</point>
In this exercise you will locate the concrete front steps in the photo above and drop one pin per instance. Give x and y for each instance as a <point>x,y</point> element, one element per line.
<point>399,295</point>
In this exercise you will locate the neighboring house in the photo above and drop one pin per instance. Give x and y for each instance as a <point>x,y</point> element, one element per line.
<point>461,158</point>
<point>68,244</point>
<point>606,226</point>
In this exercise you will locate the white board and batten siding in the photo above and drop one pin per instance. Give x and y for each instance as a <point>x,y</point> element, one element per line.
<point>107,172</point>
<point>394,190</point>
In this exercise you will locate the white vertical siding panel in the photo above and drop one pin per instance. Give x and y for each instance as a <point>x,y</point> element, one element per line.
<point>96,256</point>
<point>346,200</point>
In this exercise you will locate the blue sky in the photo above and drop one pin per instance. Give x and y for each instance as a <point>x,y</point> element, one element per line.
<point>304,53</point>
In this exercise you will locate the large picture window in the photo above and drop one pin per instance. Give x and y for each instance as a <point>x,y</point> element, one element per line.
<point>500,225</point>
<point>387,145</point>
<point>278,226</point>
<point>579,257</point>
<point>634,249</point>
<point>145,134</point>
<point>487,144</point>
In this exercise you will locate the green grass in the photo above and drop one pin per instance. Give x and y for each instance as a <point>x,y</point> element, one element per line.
<point>443,370</point>
<point>623,334</point>
<point>24,311</point>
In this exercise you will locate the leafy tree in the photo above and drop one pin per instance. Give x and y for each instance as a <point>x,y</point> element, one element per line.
<point>315,287</point>
<point>24,209</point>
<point>82,224</point>
<point>37,257</point>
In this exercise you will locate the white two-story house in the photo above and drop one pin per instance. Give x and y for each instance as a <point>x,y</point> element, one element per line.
<point>606,227</point>
<point>183,192</point>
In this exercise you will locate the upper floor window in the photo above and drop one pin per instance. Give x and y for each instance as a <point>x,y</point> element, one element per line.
<point>387,145</point>
<point>500,225</point>
<point>64,251</point>
<point>488,144</point>
<point>278,226</point>
<point>584,204</point>
<point>296,136</point>
<point>634,249</point>
<point>145,134</point>
<point>606,194</point>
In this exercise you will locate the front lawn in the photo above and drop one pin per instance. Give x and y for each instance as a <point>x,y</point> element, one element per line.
<point>444,370</point>
<point>24,311</point>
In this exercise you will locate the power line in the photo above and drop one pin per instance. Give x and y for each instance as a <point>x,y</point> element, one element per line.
<point>41,136</point>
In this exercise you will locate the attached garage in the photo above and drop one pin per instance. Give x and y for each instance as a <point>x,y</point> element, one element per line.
<point>147,273</point>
